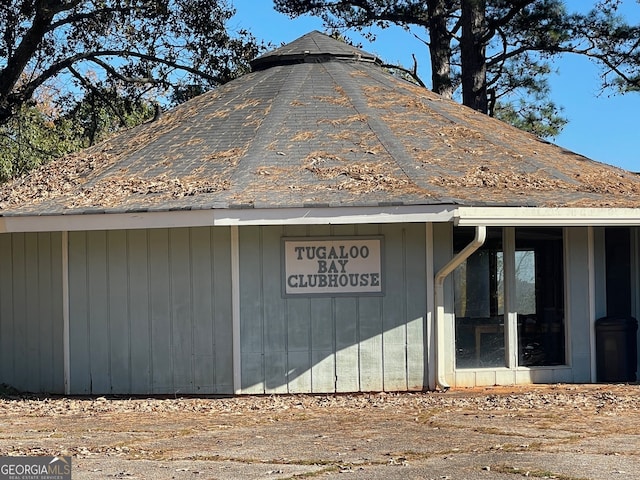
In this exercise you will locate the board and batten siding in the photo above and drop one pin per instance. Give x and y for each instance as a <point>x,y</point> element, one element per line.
<point>31,316</point>
<point>333,344</point>
<point>150,311</point>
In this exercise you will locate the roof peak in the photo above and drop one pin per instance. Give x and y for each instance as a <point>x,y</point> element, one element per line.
<point>313,47</point>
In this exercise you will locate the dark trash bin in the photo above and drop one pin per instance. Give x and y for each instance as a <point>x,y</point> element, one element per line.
<point>616,349</point>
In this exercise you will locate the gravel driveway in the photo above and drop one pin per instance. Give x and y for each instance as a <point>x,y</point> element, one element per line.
<point>566,432</point>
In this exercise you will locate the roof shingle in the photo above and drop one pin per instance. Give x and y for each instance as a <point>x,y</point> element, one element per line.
<point>318,123</point>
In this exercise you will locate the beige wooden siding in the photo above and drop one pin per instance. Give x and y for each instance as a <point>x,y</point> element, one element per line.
<point>31,320</point>
<point>150,311</point>
<point>337,344</point>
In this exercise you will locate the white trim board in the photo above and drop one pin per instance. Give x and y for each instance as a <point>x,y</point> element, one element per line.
<point>228,217</point>
<point>537,216</point>
<point>463,216</point>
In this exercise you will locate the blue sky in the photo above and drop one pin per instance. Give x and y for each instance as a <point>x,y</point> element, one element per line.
<point>601,126</point>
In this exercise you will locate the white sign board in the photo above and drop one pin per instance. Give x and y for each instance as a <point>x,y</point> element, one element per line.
<point>333,266</point>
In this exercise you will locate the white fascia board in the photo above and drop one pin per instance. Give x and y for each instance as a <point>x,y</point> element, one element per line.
<point>548,217</point>
<point>104,221</point>
<point>227,217</point>
<point>336,215</point>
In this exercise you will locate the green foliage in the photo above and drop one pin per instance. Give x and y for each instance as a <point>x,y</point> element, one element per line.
<point>72,72</point>
<point>135,46</point>
<point>101,113</point>
<point>33,137</point>
<point>524,98</point>
<point>30,139</point>
<point>541,118</point>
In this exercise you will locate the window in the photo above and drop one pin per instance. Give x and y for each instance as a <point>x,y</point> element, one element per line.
<point>535,291</point>
<point>479,302</point>
<point>539,296</point>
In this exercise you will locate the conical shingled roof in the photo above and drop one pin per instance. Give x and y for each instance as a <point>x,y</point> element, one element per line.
<point>318,123</point>
<point>310,48</point>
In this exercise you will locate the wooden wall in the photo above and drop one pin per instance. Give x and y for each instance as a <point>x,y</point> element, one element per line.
<point>150,311</point>
<point>337,344</point>
<point>31,319</point>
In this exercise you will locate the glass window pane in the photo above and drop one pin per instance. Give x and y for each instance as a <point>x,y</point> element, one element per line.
<point>539,298</point>
<point>525,282</point>
<point>479,302</point>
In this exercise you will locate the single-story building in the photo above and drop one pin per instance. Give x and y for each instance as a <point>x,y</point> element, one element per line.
<point>317,225</point>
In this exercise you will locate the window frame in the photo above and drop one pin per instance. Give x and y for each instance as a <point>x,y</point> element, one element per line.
<point>510,322</point>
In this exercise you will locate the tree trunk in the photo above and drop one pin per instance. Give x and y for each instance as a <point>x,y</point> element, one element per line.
<point>473,55</point>
<point>10,74</point>
<point>440,49</point>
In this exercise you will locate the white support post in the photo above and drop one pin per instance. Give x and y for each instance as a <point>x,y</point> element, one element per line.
<point>430,357</point>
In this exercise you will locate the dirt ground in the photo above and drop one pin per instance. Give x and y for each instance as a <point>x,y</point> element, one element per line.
<point>568,432</point>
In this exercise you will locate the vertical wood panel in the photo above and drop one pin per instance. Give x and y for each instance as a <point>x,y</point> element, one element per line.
<point>21,329</point>
<point>6,310</point>
<point>275,372</point>
<point>299,371</point>
<point>323,372</point>
<point>346,333</point>
<point>31,361</point>
<point>251,311</point>
<point>298,333</point>
<point>323,369</point>
<point>394,312</point>
<point>79,348</point>
<point>298,326</point>
<point>299,345</point>
<point>203,314</point>
<point>416,307</point>
<point>222,319</point>
<point>160,293</point>
<point>295,230</point>
<point>30,312</point>
<point>346,321</point>
<point>99,329</point>
<point>370,331</point>
<point>442,253</point>
<point>275,325</point>
<point>45,316</point>
<point>371,368</point>
<point>139,312</point>
<point>136,320</point>
<point>57,337</point>
<point>119,321</point>
<point>175,294</point>
<point>150,297</point>
<point>368,229</point>
<point>341,343</point>
<point>181,315</point>
<point>7,330</point>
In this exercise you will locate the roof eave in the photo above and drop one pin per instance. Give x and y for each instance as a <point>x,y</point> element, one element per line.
<point>461,216</point>
<point>541,216</point>
<point>228,217</point>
